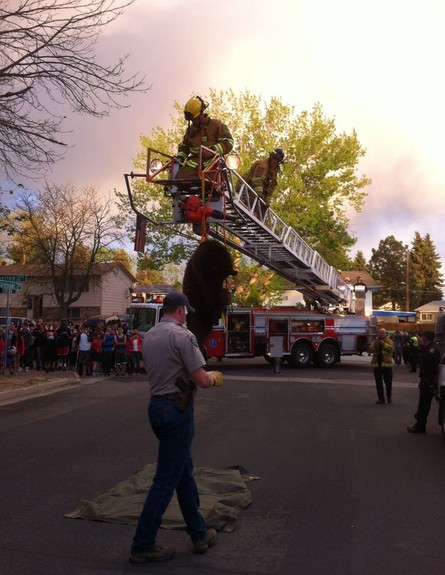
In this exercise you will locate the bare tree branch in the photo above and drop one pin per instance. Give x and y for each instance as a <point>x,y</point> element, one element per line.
<point>64,231</point>
<point>48,56</point>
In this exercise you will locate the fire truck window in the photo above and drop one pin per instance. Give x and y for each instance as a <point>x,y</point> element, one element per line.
<point>239,323</point>
<point>278,327</point>
<point>307,326</point>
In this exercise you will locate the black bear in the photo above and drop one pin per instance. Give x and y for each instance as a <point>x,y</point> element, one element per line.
<point>203,284</point>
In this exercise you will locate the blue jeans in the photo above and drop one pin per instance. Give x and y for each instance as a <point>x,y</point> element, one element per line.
<point>135,359</point>
<point>174,430</point>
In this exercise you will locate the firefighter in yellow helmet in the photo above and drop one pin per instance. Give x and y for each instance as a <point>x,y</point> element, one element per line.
<point>201,131</point>
<point>262,175</point>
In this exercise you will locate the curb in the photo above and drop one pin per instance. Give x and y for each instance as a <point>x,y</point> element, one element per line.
<point>15,395</point>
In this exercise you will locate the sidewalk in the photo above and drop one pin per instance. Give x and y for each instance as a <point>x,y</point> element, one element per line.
<point>14,388</point>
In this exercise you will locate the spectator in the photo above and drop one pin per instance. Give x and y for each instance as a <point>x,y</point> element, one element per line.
<point>413,352</point>
<point>136,351</point>
<point>63,343</point>
<point>39,345</point>
<point>382,349</point>
<point>84,349</point>
<point>2,351</point>
<point>26,356</point>
<point>74,347</point>
<point>96,353</point>
<point>50,350</point>
<point>397,338</point>
<point>107,350</point>
<point>120,351</point>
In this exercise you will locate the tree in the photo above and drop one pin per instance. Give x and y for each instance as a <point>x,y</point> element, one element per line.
<point>359,263</point>
<point>317,188</point>
<point>47,57</point>
<point>256,286</point>
<point>388,267</point>
<point>66,232</point>
<point>426,279</point>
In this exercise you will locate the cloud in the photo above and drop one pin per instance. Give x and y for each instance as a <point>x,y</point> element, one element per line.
<point>374,66</point>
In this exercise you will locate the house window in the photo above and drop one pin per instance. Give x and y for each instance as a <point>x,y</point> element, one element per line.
<point>72,284</point>
<point>426,316</point>
<point>73,313</point>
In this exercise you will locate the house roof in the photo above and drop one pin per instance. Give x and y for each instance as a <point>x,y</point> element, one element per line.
<point>432,306</point>
<point>366,278</point>
<point>39,270</point>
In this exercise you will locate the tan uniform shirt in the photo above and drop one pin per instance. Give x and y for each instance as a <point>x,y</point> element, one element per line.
<point>169,351</point>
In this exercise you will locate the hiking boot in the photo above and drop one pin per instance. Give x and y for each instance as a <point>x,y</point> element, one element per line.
<point>158,553</point>
<point>415,429</point>
<point>202,546</point>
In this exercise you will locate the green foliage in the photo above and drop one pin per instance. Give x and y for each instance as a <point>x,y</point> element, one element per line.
<point>426,279</point>
<point>388,267</point>
<point>116,255</point>
<point>359,263</point>
<point>255,286</point>
<point>318,187</point>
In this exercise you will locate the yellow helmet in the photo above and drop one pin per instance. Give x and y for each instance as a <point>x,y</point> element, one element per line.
<point>194,107</point>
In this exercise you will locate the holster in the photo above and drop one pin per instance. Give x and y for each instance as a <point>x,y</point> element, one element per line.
<point>187,394</point>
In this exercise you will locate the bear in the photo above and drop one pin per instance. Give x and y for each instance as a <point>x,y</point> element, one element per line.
<point>203,284</point>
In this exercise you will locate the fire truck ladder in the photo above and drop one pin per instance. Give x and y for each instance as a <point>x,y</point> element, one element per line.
<point>252,228</point>
<point>265,238</point>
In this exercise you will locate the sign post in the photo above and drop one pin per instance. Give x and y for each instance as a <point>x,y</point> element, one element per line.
<point>10,282</point>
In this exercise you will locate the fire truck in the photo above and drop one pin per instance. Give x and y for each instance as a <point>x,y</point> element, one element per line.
<point>303,337</point>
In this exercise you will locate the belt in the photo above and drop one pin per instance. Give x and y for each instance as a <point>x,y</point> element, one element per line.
<point>170,396</point>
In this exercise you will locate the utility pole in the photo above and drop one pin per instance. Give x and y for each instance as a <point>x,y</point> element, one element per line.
<point>407,282</point>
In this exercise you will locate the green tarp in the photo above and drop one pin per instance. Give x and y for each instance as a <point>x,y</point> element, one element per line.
<point>222,492</point>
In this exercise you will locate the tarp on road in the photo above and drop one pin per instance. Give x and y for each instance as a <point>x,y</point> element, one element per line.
<point>222,492</point>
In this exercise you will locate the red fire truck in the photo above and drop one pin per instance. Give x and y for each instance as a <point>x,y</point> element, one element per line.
<point>301,337</point>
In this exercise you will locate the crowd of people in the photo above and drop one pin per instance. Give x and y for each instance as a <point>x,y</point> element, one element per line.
<point>52,346</point>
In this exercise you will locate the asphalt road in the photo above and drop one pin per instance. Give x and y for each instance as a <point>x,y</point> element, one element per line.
<point>344,489</point>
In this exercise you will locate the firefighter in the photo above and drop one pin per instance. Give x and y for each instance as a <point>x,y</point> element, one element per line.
<point>201,131</point>
<point>262,175</point>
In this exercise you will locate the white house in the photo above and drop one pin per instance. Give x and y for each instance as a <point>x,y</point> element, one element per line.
<point>108,293</point>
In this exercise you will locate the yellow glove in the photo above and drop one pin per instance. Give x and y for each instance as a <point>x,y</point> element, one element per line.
<point>217,377</point>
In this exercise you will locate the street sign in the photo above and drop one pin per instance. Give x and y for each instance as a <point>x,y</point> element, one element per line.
<point>10,285</point>
<point>8,278</point>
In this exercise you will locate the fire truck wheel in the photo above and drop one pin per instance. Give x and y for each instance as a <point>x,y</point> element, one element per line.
<point>327,355</point>
<point>302,355</point>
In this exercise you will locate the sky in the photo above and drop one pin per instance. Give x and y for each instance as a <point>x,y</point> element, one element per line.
<point>376,67</point>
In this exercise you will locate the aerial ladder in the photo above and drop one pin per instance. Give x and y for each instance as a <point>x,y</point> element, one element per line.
<point>230,211</point>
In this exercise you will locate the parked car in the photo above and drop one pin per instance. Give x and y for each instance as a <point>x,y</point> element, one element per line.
<point>105,320</point>
<point>14,320</point>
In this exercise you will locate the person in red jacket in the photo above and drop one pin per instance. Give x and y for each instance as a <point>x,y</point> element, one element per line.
<point>135,347</point>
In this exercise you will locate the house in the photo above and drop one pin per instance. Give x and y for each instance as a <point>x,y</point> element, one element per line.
<point>108,292</point>
<point>426,314</point>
